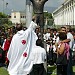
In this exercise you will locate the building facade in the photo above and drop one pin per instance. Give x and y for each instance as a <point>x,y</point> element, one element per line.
<point>18,17</point>
<point>65,14</point>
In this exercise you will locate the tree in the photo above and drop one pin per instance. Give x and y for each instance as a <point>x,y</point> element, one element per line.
<point>3,15</point>
<point>48,18</point>
<point>4,19</point>
<point>48,15</point>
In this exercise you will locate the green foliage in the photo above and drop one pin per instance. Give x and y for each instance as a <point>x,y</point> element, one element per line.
<point>49,18</point>
<point>9,22</point>
<point>6,26</point>
<point>3,71</point>
<point>51,69</point>
<point>2,15</point>
<point>50,22</point>
<point>4,19</point>
<point>48,15</point>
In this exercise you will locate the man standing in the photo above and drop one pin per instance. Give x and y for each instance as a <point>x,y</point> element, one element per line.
<point>20,61</point>
<point>69,40</point>
<point>39,56</point>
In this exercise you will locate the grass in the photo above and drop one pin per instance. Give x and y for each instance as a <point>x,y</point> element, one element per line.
<point>51,70</point>
<point>73,70</point>
<point>3,71</point>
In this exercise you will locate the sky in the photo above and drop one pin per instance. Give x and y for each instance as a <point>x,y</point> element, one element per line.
<point>19,5</point>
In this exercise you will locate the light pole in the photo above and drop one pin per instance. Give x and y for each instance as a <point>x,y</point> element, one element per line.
<point>6,7</point>
<point>3,6</point>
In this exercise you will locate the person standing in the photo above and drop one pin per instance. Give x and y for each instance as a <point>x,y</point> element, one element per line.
<point>62,55</point>
<point>39,56</point>
<point>20,62</point>
<point>71,40</point>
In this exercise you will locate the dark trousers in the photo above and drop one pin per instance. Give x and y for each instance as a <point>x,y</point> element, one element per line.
<point>38,69</point>
<point>69,68</point>
<point>61,69</point>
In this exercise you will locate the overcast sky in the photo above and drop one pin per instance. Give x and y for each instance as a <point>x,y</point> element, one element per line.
<point>20,4</point>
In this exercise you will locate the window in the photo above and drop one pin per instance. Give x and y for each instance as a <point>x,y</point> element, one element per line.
<point>21,16</point>
<point>14,16</point>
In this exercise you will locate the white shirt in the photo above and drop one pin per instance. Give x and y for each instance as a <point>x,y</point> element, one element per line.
<point>39,55</point>
<point>70,36</point>
<point>47,36</point>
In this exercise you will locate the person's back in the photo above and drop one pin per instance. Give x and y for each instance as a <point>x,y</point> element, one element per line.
<point>39,58</point>
<point>62,54</point>
<point>20,62</point>
<point>39,55</point>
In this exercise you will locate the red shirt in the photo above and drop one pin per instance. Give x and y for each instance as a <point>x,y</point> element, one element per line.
<point>7,44</point>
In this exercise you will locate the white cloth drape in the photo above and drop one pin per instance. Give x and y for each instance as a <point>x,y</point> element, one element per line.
<point>19,54</point>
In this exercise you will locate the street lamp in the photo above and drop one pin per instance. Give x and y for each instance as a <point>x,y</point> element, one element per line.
<point>6,7</point>
<point>3,6</point>
<point>6,4</point>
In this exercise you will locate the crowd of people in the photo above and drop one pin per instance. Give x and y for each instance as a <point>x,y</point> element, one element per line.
<point>21,46</point>
<point>60,49</point>
<point>6,35</point>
